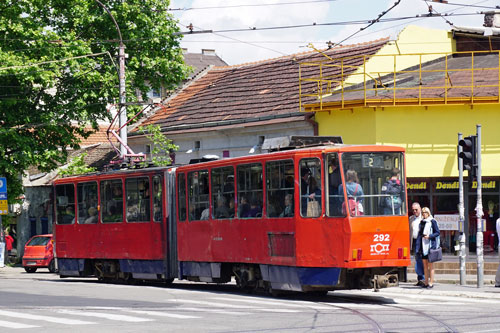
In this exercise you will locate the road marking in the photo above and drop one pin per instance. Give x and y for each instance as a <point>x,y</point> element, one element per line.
<point>224,305</point>
<point>10,324</point>
<point>268,302</point>
<point>217,311</point>
<point>44,318</point>
<point>161,314</point>
<point>109,316</point>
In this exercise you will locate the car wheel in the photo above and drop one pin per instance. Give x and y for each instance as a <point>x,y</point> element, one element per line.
<point>30,269</point>
<point>52,266</point>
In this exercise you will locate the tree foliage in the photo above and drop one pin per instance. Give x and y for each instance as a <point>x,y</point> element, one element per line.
<point>161,146</point>
<point>58,72</point>
<point>77,166</point>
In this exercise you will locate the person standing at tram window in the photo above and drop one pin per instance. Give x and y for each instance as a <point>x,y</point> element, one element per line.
<point>428,237</point>
<point>334,181</point>
<point>414,228</point>
<point>354,193</point>
<point>392,191</point>
<point>310,192</point>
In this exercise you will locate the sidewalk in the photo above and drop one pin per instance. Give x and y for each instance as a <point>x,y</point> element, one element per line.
<point>488,291</point>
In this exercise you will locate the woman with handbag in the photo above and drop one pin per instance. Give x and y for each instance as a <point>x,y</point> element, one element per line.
<point>427,239</point>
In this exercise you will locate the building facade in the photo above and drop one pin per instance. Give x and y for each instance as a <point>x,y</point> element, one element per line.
<point>422,106</point>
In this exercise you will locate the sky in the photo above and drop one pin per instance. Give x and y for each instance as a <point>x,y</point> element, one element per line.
<point>254,45</point>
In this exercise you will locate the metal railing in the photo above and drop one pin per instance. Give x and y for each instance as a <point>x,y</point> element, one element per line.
<point>409,79</point>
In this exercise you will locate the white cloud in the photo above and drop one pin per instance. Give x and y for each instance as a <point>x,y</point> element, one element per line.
<point>240,47</point>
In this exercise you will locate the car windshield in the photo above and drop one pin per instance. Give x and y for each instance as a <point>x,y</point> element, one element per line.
<point>375,183</point>
<point>38,241</point>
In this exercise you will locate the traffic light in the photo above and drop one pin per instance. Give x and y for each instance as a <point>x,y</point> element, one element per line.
<point>469,155</point>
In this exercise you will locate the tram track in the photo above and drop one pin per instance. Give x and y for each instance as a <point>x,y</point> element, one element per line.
<point>378,327</point>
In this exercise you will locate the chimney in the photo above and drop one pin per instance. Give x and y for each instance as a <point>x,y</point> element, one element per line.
<point>492,19</point>
<point>209,52</point>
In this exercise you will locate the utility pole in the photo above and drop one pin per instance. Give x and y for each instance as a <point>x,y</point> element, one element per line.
<point>479,213</point>
<point>122,108</point>
<point>461,216</point>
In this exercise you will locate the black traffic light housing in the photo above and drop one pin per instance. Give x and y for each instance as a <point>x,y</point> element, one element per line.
<point>469,155</point>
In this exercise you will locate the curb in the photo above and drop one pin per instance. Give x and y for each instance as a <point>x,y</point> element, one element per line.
<point>486,292</point>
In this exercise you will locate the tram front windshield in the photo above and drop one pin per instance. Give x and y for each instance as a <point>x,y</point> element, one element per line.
<point>373,185</point>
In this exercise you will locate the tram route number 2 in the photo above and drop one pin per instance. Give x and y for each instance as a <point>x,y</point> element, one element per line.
<point>381,244</point>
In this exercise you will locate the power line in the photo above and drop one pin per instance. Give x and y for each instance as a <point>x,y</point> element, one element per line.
<point>250,5</point>
<point>340,23</point>
<point>465,5</point>
<point>240,41</point>
<point>55,61</point>
<point>369,25</point>
<point>418,19</point>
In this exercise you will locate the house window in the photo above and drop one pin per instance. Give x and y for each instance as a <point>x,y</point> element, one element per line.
<point>225,153</point>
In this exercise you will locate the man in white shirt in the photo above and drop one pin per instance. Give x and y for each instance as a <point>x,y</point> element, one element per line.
<point>497,276</point>
<point>414,227</point>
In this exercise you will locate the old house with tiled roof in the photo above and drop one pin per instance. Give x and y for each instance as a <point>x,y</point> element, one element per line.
<point>228,111</point>
<point>420,100</point>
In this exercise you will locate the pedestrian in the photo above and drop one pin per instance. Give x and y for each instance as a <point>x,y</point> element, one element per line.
<point>497,276</point>
<point>8,245</point>
<point>428,237</point>
<point>414,227</point>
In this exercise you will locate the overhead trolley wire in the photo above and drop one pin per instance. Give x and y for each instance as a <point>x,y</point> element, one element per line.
<point>250,5</point>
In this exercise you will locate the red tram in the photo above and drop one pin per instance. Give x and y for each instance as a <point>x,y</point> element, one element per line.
<point>310,219</point>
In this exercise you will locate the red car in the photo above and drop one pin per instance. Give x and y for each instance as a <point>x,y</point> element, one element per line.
<point>39,253</point>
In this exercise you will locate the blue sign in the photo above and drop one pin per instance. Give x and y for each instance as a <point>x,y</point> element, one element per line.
<point>3,185</point>
<point>3,196</point>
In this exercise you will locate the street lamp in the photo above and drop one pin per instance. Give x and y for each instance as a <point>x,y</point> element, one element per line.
<point>122,109</point>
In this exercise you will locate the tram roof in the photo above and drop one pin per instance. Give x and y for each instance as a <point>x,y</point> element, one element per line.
<point>299,151</point>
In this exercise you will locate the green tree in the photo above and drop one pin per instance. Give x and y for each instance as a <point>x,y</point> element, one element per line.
<point>58,72</point>
<point>161,146</point>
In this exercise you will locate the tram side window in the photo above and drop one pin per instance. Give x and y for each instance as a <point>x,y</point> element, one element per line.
<point>181,195</point>
<point>138,199</point>
<point>157,197</point>
<point>65,204</point>
<point>310,187</point>
<point>111,201</point>
<point>223,193</point>
<point>280,188</point>
<point>198,188</point>
<point>334,198</point>
<point>250,190</point>
<point>87,203</point>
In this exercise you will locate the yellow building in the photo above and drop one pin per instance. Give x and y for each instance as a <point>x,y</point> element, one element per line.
<point>419,92</point>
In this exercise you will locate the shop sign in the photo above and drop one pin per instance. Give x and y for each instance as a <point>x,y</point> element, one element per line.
<point>417,186</point>
<point>447,221</point>
<point>486,185</point>
<point>451,185</point>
